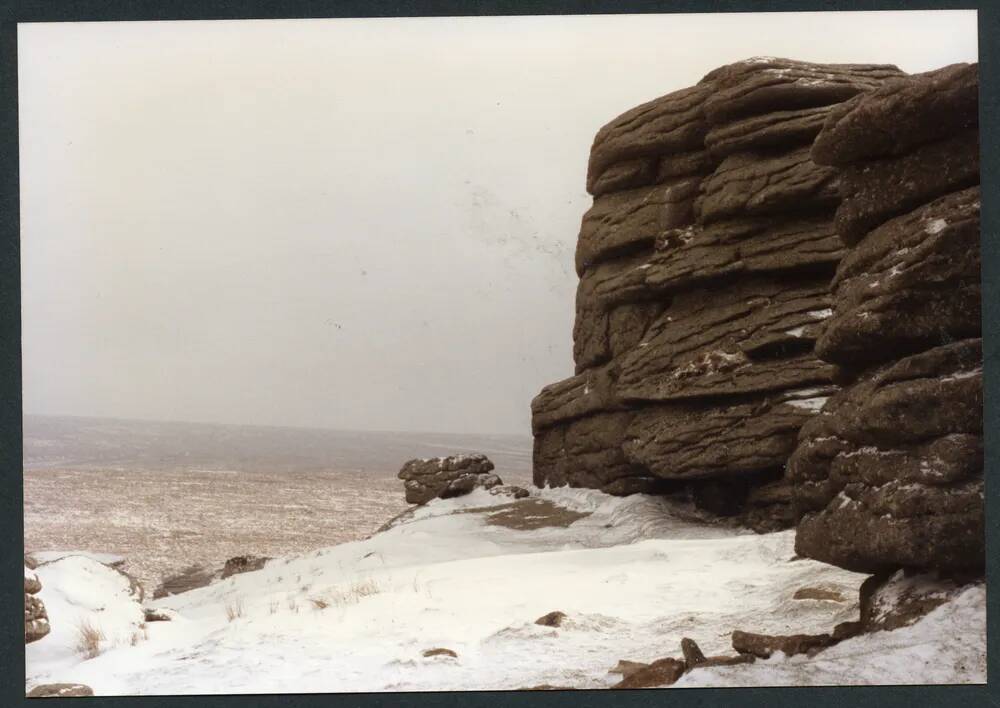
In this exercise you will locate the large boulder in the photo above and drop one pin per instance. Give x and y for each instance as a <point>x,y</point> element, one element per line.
<point>890,473</point>
<point>426,479</point>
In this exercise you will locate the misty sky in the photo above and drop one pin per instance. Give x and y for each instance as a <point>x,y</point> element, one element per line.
<point>362,224</point>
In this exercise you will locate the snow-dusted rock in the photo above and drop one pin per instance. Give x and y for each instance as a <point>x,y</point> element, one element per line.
<point>445,477</point>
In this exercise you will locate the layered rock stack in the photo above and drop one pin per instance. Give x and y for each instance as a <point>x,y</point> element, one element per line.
<point>705,266</point>
<point>891,473</point>
<point>36,619</point>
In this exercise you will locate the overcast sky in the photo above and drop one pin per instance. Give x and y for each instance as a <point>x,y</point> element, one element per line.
<point>362,224</point>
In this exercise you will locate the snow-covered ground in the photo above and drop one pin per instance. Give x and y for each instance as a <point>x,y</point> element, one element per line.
<point>634,575</point>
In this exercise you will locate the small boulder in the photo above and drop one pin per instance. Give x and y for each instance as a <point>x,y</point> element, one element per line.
<point>151,614</point>
<point>32,584</point>
<point>809,593</point>
<point>846,630</point>
<point>60,690</point>
<point>693,656</point>
<point>243,564</point>
<point>764,645</point>
<point>440,651</point>
<point>552,619</point>
<point>36,619</point>
<point>445,477</point>
<point>510,490</point>
<point>194,576</point>
<point>662,672</point>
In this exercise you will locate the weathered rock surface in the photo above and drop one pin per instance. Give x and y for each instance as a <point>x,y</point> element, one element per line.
<point>670,124</point>
<point>36,619</point>
<point>900,115</point>
<point>243,564</point>
<point>703,440</point>
<point>873,192</point>
<point>759,183</point>
<point>767,84</point>
<point>622,223</point>
<point>446,477</point>
<point>754,337</point>
<point>764,645</point>
<point>60,690</point>
<point>194,576</point>
<point>908,285</point>
<point>890,474</point>
<point>705,267</point>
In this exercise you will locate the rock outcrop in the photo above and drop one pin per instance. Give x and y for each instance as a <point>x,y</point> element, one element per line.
<point>705,266</point>
<point>60,690</point>
<point>243,564</point>
<point>890,474</point>
<point>446,477</point>
<point>36,619</point>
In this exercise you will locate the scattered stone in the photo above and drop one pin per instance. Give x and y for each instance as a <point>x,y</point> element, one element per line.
<point>243,564</point>
<point>509,490</point>
<point>151,614</point>
<point>552,619</point>
<point>440,651</point>
<point>764,645</point>
<point>662,672</point>
<point>60,690</point>
<point>809,593</point>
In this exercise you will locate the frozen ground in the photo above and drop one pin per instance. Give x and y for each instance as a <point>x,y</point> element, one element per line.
<point>471,575</point>
<point>169,495</point>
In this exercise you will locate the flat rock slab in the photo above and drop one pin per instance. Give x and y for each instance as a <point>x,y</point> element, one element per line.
<point>724,439</point>
<point>718,254</point>
<point>775,130</point>
<point>900,115</point>
<point>755,336</point>
<point>756,183</point>
<point>589,392</point>
<point>765,84</point>
<point>907,284</point>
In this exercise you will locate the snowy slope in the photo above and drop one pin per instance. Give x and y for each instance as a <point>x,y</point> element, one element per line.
<point>634,575</point>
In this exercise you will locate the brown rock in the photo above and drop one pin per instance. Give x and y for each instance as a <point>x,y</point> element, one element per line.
<point>670,124</point>
<point>552,619</point>
<point>622,223</point>
<point>440,651</point>
<point>900,115</point>
<point>756,183</point>
<point>753,337</point>
<point>766,84</point>
<point>589,392</point>
<point>692,653</point>
<point>662,672</point>
<point>909,284</point>
<point>809,593</point>
<point>426,479</point>
<point>874,192</point>
<point>846,630</point>
<point>60,690</point>
<point>151,614</point>
<point>692,441</point>
<point>713,255</point>
<point>36,619</point>
<point>32,584</point>
<point>774,130</point>
<point>764,645</point>
<point>583,453</point>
